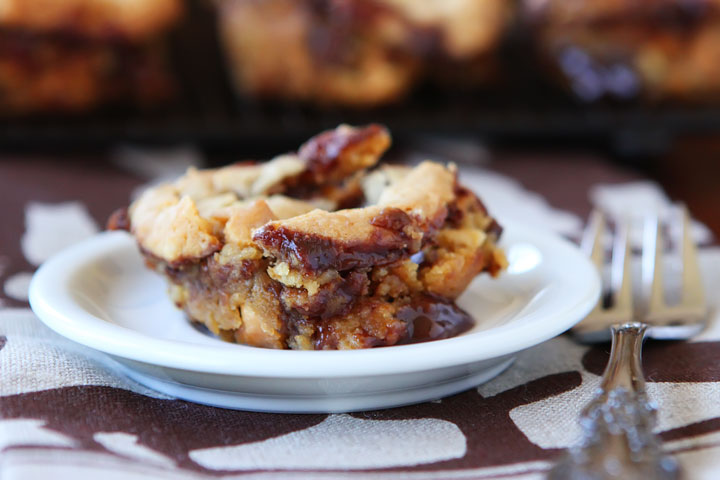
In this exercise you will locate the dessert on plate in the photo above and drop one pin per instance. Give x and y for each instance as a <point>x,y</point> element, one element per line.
<point>73,55</point>
<point>319,249</point>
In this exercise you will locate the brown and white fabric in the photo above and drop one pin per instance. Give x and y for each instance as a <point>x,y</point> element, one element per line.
<point>66,414</point>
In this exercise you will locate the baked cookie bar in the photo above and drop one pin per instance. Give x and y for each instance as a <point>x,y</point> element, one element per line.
<point>313,251</point>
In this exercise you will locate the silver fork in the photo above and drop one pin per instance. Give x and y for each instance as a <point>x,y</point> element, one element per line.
<point>618,439</point>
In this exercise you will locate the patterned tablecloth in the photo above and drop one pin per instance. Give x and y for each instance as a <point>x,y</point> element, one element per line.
<point>65,415</point>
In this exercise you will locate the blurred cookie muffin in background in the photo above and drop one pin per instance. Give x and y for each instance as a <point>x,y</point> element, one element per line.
<point>648,50</point>
<point>358,53</point>
<point>74,55</point>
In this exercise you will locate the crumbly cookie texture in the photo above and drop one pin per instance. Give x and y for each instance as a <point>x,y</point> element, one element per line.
<point>204,209</point>
<point>265,255</point>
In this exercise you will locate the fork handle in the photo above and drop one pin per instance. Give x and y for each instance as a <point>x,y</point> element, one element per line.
<point>618,439</point>
<point>624,368</point>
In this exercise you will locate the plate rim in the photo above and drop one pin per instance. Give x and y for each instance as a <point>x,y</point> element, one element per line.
<point>64,316</point>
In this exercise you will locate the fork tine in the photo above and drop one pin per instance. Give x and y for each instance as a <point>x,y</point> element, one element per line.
<point>592,244</point>
<point>691,311</point>
<point>592,241</point>
<point>680,321</point>
<point>596,326</point>
<point>693,293</point>
<point>621,278</point>
<point>652,267</point>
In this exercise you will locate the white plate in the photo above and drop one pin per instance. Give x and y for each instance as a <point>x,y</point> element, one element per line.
<point>99,293</point>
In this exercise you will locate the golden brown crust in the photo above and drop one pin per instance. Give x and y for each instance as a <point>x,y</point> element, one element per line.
<point>133,20</point>
<point>170,227</point>
<point>243,220</point>
<point>336,154</point>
